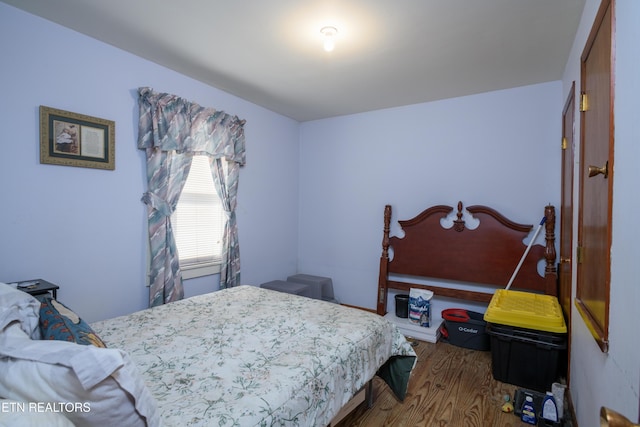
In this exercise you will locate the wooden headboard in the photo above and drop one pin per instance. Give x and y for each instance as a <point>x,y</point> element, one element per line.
<point>487,255</point>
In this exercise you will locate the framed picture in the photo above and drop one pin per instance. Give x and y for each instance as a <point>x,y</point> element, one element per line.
<point>72,139</point>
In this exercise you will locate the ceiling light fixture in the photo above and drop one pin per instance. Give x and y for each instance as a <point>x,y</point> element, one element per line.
<point>329,34</point>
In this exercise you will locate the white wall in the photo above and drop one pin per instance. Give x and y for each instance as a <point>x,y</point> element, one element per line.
<point>499,149</point>
<point>612,379</point>
<point>85,229</point>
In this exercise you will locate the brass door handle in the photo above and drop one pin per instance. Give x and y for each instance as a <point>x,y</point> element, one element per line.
<point>565,260</point>
<point>604,170</point>
<point>611,418</point>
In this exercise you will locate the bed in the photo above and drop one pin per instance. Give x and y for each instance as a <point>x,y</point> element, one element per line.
<point>243,356</point>
<point>469,262</point>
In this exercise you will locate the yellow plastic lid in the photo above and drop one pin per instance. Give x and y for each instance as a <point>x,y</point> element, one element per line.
<point>526,310</point>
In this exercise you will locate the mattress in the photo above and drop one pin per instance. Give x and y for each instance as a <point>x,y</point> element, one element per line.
<point>248,356</point>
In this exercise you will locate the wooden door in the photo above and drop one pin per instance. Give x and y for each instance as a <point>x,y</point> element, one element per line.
<point>596,179</point>
<point>565,273</point>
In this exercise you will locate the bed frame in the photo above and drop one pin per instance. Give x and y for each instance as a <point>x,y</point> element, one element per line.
<point>486,255</point>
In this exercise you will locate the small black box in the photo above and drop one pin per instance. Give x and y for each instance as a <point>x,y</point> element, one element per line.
<point>465,328</point>
<point>526,357</point>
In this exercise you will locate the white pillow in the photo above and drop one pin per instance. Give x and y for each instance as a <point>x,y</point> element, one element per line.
<point>103,385</point>
<point>25,414</point>
<point>19,306</point>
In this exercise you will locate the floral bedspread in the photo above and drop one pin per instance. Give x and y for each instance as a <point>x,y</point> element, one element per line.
<point>248,356</point>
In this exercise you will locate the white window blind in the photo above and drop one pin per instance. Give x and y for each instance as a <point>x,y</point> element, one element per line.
<point>199,219</point>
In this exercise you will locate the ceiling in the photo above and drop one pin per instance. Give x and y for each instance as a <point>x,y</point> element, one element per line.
<point>388,52</point>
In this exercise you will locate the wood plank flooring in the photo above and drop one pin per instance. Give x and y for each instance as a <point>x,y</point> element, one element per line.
<point>450,386</point>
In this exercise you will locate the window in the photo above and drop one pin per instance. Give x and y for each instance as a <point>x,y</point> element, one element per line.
<point>198,222</point>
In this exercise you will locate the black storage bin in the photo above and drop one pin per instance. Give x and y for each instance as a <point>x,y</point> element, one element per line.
<point>402,306</point>
<point>525,357</point>
<point>464,328</point>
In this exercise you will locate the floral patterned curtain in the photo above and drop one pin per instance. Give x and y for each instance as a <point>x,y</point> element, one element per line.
<point>171,131</point>
<point>226,182</point>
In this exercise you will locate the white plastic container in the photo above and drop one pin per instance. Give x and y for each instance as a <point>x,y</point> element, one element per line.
<point>549,408</point>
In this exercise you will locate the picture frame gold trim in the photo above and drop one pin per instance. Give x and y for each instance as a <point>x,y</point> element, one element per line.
<point>72,139</point>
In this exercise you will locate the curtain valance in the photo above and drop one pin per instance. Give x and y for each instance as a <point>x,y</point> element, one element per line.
<point>170,122</point>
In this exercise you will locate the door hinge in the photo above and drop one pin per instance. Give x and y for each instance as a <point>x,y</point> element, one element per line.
<point>584,102</point>
<point>564,143</point>
<point>580,254</point>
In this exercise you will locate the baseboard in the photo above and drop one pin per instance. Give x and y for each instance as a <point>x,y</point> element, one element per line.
<point>359,308</point>
<point>572,409</point>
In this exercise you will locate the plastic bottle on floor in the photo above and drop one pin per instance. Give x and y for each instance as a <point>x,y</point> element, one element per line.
<point>549,408</point>
<point>528,411</point>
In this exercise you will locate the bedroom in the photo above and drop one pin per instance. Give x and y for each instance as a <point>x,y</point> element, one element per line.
<point>284,163</point>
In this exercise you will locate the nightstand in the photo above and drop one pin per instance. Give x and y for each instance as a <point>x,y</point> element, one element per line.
<point>38,287</point>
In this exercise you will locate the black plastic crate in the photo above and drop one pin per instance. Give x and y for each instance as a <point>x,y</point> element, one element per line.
<point>464,328</point>
<point>526,357</point>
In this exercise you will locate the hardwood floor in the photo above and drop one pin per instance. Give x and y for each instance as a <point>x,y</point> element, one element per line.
<point>450,386</point>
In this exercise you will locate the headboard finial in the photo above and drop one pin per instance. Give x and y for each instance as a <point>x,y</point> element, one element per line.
<point>458,224</point>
